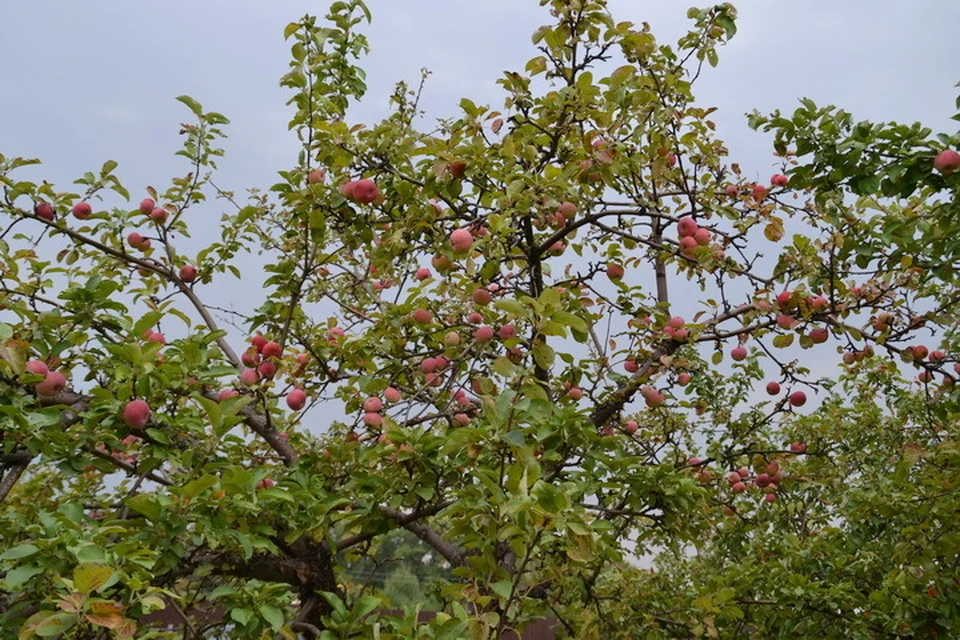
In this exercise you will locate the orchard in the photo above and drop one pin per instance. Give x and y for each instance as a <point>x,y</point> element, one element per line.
<point>596,369</point>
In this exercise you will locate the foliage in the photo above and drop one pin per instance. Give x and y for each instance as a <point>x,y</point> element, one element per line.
<point>516,343</point>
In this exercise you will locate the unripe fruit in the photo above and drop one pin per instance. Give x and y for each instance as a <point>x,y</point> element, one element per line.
<point>779,180</point>
<point>159,215</point>
<point>461,240</point>
<point>81,210</point>
<point>739,353</point>
<point>147,205</point>
<point>422,316</point>
<point>483,334</point>
<point>188,273</point>
<point>297,399</point>
<point>947,161</point>
<point>271,350</point>
<point>798,398</point>
<point>614,271</point>
<point>37,367</point>
<point>451,339</point>
<point>372,405</point>
<point>773,388</point>
<point>53,384</point>
<point>136,414</point>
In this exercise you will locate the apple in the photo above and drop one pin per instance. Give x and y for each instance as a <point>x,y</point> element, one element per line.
<point>372,404</point>
<point>763,480</point>
<point>785,300</point>
<point>365,191</point>
<point>226,394</point>
<point>947,161</point>
<point>738,487</point>
<point>429,365</point>
<point>483,334</point>
<point>772,468</point>
<point>702,236</point>
<point>614,271</point>
<point>347,189</point>
<point>136,414</point>
<point>770,497</point>
<point>475,318</point>
<point>372,419</point>
<point>147,205</point>
<point>391,394</point>
<point>250,358</point>
<point>44,210</point>
<point>52,384</point>
<point>441,263</point>
<point>249,377</point>
<point>798,398</point>
<point>631,366</point>
<point>81,210</point>
<point>461,240</point>
<point>481,297</point>
<point>37,367</point>
<point>568,210</point>
<point>688,244</point>
<point>773,388</point>
<point>271,350</point>
<point>849,357</point>
<point>786,322</point>
<point>461,419</point>
<point>135,240</point>
<point>819,335</point>
<point>507,332</point>
<point>157,337</point>
<point>686,226</point>
<point>797,447</point>
<point>457,168</point>
<point>684,378</point>
<point>739,353</point>
<point>759,192</point>
<point>188,273</point>
<point>557,248</point>
<point>733,190</point>
<point>316,176</point>
<point>919,351</point>
<point>575,393</point>
<point>630,426</point>
<point>423,274</point>
<point>733,477</point>
<point>159,215</point>
<point>258,342</point>
<point>267,369</point>
<point>434,379</point>
<point>779,180</point>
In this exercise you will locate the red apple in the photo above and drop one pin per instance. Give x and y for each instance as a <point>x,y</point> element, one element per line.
<point>249,377</point>
<point>819,335</point>
<point>226,394</point>
<point>739,353</point>
<point>457,168</point>
<point>688,244</point>
<point>797,447</point>
<point>159,215</point>
<point>759,192</point>
<point>271,350</point>
<point>423,274</point>
<point>631,366</point>
<point>44,210</point>
<point>798,398</point>
<point>135,240</point>
<point>770,497</point>
<point>422,316</point>
<point>267,369</point>
<point>136,414</point>
<point>733,190</point>
<point>702,236</point>
<point>37,367</point>
<point>614,271</point>
<point>147,205</point>
<point>773,388</point>
<point>188,273</point>
<point>461,419</point>
<point>372,419</point>
<point>947,161</point>
<point>481,297</point>
<point>684,378</point>
<point>568,210</point>
<point>483,334</point>
<point>81,210</point>
<point>779,180</point>
<point>506,332</point>
<point>575,393</point>
<point>630,426</point>
<point>365,191</point>
<point>475,318</point>
<point>52,384</point>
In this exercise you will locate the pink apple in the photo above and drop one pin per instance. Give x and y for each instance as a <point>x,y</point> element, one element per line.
<point>372,419</point>
<point>147,205</point>
<point>947,161</point>
<point>429,365</point>
<point>684,378</point>
<point>37,367</point>
<point>45,211</point>
<point>226,394</point>
<point>483,334</point>
<point>630,426</point>
<point>422,316</point>
<point>575,393</point>
<point>676,322</point>
<point>297,399</point>
<point>136,414</point>
<point>135,240</point>
<point>779,180</point>
<point>797,447</point>
<point>773,388</point>
<point>819,335</point>
<point>631,366</point>
<point>770,497</point>
<point>372,404</point>
<point>686,226</point>
<point>759,192</point>
<point>738,487</point>
<point>249,377</point>
<point>53,384</point>
<point>81,210</point>
<point>786,322</point>
<point>481,297</point>
<point>738,353</point>
<point>391,394</point>
<point>451,339</point>
<point>365,191</point>
<point>316,176</point>
<point>347,189</point>
<point>423,274</point>
<point>159,215</point>
<point>267,369</point>
<point>702,236</point>
<point>507,332</point>
<point>461,240</point>
<point>461,419</point>
<point>568,210</point>
<point>732,190</point>
<point>475,318</point>
<point>271,350</point>
<point>157,337</point>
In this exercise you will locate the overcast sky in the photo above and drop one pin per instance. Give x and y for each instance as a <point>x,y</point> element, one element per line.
<point>88,81</point>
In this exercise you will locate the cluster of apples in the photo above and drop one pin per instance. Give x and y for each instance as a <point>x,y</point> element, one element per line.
<point>53,382</point>
<point>767,480</point>
<point>261,360</point>
<point>364,191</point>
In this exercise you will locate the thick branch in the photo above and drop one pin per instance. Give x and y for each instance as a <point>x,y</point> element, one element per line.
<point>428,535</point>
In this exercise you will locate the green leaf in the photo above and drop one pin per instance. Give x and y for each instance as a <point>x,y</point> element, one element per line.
<point>364,606</point>
<point>55,625</point>
<point>502,588</point>
<point>195,487</point>
<point>145,505</point>
<point>18,577</point>
<point>192,104</point>
<point>241,615</point>
<point>272,615</point>
<point>20,551</point>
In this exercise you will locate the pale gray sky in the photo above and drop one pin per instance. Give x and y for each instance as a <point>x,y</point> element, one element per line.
<point>83,82</point>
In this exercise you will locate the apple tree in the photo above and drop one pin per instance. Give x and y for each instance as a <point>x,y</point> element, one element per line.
<point>601,372</point>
